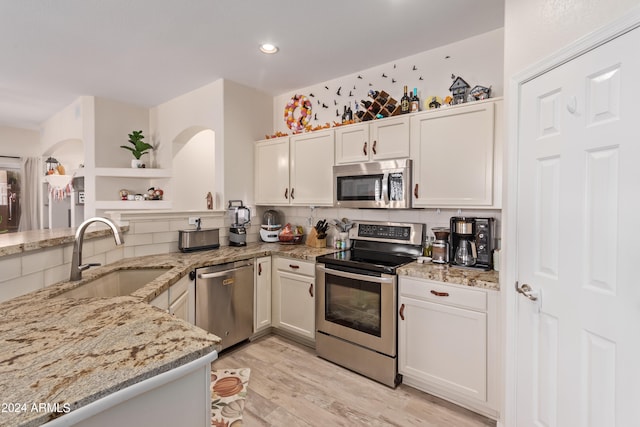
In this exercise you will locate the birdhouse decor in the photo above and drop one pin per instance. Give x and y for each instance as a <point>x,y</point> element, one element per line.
<point>51,165</point>
<point>459,90</point>
<point>480,92</point>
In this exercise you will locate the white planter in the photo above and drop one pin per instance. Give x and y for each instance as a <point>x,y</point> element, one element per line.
<point>136,163</point>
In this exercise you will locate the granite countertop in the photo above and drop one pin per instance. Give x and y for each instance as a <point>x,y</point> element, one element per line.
<point>448,274</point>
<point>25,241</point>
<point>67,351</point>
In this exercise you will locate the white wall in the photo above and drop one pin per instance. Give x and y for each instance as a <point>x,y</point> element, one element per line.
<point>238,115</point>
<point>19,142</point>
<point>114,121</point>
<point>192,172</point>
<point>178,120</point>
<point>247,117</point>
<point>535,29</point>
<point>478,60</point>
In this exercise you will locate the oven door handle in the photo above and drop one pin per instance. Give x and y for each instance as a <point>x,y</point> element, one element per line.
<point>356,276</point>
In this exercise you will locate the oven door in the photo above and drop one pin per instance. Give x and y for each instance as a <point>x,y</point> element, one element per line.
<point>357,308</point>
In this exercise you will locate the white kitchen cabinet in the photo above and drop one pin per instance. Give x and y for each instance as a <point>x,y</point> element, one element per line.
<point>272,171</point>
<point>447,342</point>
<point>293,303</point>
<point>456,154</point>
<point>262,294</point>
<point>178,300</point>
<point>180,307</point>
<point>311,168</point>
<point>295,170</point>
<point>381,139</point>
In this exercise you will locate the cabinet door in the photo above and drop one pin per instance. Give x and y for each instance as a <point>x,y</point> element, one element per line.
<point>180,307</point>
<point>311,173</point>
<point>444,346</point>
<point>161,301</point>
<point>352,143</point>
<point>293,299</point>
<point>390,138</point>
<point>272,171</point>
<point>262,315</point>
<point>453,151</point>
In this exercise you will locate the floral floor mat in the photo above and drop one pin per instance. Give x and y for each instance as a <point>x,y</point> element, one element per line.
<point>228,394</point>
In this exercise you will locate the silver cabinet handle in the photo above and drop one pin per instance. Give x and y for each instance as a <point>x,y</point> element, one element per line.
<point>526,291</point>
<point>356,276</point>
<point>219,273</point>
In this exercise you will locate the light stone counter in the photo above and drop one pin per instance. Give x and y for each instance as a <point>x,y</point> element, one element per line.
<point>448,274</point>
<point>73,352</point>
<point>25,241</point>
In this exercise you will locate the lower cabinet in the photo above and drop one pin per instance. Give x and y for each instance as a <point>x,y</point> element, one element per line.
<point>293,299</point>
<point>179,299</point>
<point>262,294</point>
<point>447,342</point>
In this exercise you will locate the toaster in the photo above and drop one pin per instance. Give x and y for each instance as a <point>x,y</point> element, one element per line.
<point>198,240</point>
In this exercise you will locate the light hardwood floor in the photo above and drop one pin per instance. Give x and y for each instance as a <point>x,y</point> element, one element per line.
<point>290,386</point>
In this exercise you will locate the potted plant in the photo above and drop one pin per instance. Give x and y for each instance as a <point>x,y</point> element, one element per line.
<point>139,148</point>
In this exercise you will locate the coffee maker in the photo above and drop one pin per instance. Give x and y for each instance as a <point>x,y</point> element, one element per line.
<point>472,242</point>
<point>240,216</point>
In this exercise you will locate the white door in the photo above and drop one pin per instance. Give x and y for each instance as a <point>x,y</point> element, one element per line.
<point>578,361</point>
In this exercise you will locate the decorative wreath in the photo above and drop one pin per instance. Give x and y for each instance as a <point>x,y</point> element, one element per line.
<point>293,123</point>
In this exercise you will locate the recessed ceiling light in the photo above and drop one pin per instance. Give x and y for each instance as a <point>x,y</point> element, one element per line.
<point>268,48</point>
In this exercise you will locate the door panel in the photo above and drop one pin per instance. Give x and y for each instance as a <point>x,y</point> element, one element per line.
<point>579,146</point>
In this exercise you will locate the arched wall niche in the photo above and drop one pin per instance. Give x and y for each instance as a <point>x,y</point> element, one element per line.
<point>193,168</point>
<point>68,152</point>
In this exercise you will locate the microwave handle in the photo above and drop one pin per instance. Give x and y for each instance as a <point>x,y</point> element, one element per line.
<point>385,188</point>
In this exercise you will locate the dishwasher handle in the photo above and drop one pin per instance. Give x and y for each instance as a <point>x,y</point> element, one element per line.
<point>220,273</point>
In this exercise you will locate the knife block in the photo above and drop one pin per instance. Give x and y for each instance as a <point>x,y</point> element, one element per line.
<point>314,242</point>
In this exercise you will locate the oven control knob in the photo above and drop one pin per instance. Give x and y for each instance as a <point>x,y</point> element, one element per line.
<point>481,235</point>
<point>480,247</point>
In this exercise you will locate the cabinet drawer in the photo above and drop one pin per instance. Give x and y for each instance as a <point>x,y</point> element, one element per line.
<point>296,266</point>
<point>443,294</point>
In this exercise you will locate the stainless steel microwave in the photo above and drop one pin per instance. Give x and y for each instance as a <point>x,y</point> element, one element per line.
<point>378,185</point>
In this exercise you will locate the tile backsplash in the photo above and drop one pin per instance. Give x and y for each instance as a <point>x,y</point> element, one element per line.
<point>307,216</point>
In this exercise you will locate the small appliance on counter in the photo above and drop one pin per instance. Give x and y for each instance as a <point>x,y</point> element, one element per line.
<point>199,239</point>
<point>270,227</point>
<point>472,242</point>
<point>240,217</point>
<point>440,246</point>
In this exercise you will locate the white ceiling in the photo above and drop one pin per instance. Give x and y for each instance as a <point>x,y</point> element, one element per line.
<point>146,52</point>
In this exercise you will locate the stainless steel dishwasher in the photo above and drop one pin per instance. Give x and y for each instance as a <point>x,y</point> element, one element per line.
<point>224,301</point>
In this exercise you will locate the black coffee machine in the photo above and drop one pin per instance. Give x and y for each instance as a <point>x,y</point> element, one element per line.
<point>471,242</point>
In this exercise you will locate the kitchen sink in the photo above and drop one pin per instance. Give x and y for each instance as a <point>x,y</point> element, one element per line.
<point>116,283</point>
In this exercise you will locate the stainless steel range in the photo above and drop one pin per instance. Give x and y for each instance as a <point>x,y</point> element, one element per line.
<point>357,299</point>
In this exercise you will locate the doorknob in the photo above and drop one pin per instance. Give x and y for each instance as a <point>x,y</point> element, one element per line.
<point>527,291</point>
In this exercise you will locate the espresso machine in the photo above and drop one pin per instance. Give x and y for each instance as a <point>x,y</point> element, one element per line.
<point>472,242</point>
<point>240,216</point>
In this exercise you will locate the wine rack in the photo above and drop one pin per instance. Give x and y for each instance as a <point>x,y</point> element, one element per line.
<point>380,106</point>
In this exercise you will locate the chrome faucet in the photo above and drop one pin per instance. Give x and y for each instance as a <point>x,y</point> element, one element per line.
<point>76,261</point>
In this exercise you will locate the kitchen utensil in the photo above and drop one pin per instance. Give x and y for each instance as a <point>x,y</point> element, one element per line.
<point>198,239</point>
<point>465,253</point>
<point>472,243</point>
<point>440,252</point>
<point>270,226</point>
<point>441,233</point>
<point>240,216</point>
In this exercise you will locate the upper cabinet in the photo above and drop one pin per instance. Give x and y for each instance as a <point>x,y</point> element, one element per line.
<point>272,171</point>
<point>457,156</point>
<point>370,141</point>
<point>295,170</point>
